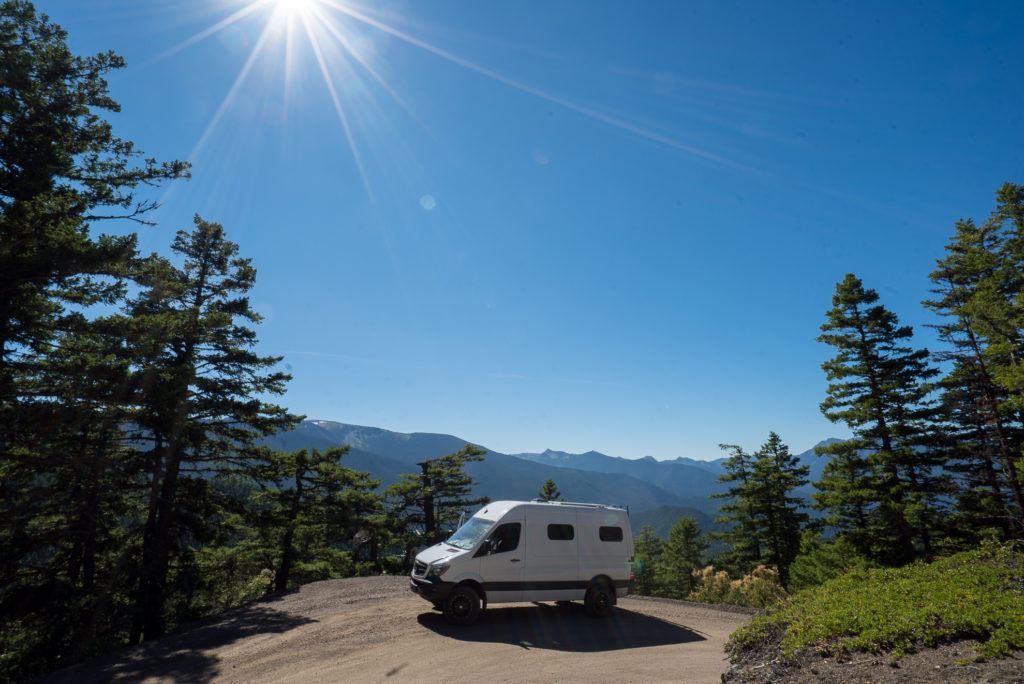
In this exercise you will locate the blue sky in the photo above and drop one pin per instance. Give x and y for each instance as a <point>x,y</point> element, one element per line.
<point>578,225</point>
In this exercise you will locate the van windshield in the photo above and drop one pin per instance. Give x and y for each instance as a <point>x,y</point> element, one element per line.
<point>467,536</point>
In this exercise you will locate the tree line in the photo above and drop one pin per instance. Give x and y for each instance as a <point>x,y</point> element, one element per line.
<point>934,465</point>
<point>136,492</point>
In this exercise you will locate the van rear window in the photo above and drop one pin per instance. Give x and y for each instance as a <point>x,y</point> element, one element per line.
<point>561,532</point>
<point>610,534</point>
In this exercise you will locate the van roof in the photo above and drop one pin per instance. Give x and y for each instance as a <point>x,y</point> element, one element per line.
<point>496,509</point>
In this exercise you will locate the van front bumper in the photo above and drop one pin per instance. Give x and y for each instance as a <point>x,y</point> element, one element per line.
<point>433,590</point>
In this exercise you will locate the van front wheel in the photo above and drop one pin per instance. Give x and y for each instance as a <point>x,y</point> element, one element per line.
<point>462,607</point>
<point>598,600</point>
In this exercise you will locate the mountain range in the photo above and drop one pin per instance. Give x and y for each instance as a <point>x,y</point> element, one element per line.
<point>655,491</point>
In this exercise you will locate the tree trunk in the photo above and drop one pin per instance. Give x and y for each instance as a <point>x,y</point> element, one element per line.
<point>287,542</point>
<point>157,548</point>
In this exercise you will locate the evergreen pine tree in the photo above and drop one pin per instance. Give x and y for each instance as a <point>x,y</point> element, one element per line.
<point>309,496</point>
<point>737,514</point>
<point>980,425</point>
<point>879,387</point>
<point>61,169</point>
<point>997,306</point>
<point>646,555</point>
<point>847,497</point>
<point>778,513</point>
<point>424,507</point>
<point>64,534</point>
<point>203,384</point>
<point>680,556</point>
<point>549,492</point>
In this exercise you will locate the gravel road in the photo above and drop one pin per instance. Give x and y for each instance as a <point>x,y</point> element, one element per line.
<point>372,629</point>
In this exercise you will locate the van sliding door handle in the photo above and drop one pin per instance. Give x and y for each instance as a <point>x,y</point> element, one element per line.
<point>513,560</point>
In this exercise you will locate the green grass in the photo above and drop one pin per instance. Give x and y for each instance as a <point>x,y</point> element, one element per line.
<point>972,595</point>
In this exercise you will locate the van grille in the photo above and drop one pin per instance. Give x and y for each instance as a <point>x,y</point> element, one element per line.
<point>419,568</point>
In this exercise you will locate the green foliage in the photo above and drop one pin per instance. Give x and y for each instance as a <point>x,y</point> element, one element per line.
<point>549,492</point>
<point>883,487</point>
<point>426,507</point>
<point>310,505</point>
<point>61,167</point>
<point>231,576</point>
<point>977,290</point>
<point>737,511</point>
<point>680,556</point>
<point>820,560</point>
<point>646,555</point>
<point>204,405</point>
<point>68,474</point>
<point>760,588</point>
<point>764,515</point>
<point>971,595</point>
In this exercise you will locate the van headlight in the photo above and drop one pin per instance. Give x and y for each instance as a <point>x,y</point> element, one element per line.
<point>438,569</point>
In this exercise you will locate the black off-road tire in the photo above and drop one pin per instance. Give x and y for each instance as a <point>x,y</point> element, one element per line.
<point>599,600</point>
<point>462,607</point>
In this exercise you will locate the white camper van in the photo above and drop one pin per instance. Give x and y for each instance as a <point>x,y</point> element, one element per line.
<point>529,551</point>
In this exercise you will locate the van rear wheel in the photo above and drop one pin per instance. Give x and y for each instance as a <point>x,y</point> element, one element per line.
<point>599,600</point>
<point>462,607</point>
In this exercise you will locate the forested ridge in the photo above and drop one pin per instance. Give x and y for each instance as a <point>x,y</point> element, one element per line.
<point>136,492</point>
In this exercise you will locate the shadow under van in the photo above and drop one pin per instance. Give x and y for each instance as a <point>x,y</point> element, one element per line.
<point>564,628</point>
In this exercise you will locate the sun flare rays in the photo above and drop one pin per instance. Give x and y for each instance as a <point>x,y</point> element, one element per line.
<point>326,31</point>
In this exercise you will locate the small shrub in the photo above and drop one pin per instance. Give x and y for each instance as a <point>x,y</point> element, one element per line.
<point>971,595</point>
<point>758,589</point>
<point>820,561</point>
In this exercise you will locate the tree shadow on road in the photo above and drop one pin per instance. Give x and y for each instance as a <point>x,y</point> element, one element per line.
<point>564,628</point>
<point>181,656</point>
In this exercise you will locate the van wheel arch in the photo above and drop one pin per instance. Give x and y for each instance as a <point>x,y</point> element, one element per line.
<point>478,588</point>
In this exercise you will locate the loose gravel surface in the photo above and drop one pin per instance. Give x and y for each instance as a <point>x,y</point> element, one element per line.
<point>948,664</point>
<point>373,629</point>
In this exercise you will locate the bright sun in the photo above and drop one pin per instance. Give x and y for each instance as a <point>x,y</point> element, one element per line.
<point>292,7</point>
<point>333,35</point>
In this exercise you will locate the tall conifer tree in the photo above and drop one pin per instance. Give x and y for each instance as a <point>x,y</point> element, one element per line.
<point>981,426</point>
<point>736,514</point>
<point>778,510</point>
<point>61,169</point>
<point>647,553</point>
<point>204,385</point>
<point>425,506</point>
<point>878,386</point>
<point>312,505</point>
<point>680,556</point>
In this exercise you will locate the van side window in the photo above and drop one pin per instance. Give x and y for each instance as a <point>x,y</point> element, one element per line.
<point>610,534</point>
<point>505,538</point>
<point>561,532</point>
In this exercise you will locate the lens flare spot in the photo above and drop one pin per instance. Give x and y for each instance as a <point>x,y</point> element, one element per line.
<point>428,202</point>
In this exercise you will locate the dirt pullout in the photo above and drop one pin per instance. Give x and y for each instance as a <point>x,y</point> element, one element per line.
<point>932,665</point>
<point>372,629</point>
